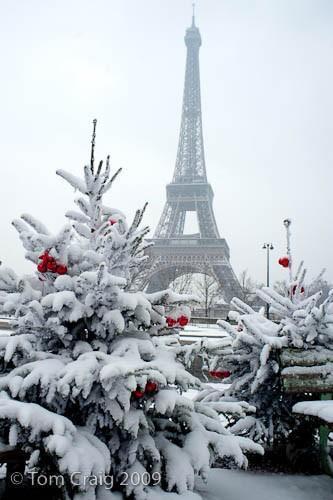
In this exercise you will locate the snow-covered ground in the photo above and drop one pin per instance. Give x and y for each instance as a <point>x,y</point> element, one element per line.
<point>242,485</point>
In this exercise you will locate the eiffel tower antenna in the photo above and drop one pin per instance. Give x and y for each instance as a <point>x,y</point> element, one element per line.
<point>175,253</point>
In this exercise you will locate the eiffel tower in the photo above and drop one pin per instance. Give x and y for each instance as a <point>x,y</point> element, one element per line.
<point>173,252</point>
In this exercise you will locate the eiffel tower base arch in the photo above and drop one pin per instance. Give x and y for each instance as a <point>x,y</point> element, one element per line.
<point>169,259</point>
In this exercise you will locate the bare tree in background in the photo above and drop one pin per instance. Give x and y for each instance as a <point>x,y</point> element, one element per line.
<point>202,285</point>
<point>207,290</point>
<point>183,283</point>
<point>321,285</point>
<point>248,286</point>
<point>281,287</point>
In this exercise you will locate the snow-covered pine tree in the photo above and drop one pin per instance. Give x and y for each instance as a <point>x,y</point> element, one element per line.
<point>249,354</point>
<point>305,321</point>
<point>88,386</point>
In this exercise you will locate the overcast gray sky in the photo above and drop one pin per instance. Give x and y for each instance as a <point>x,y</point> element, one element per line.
<point>266,79</point>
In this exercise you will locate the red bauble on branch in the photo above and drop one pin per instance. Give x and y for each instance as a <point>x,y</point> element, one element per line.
<point>179,316</point>
<point>171,321</point>
<point>49,264</point>
<point>61,269</point>
<point>220,374</point>
<point>183,320</point>
<point>138,393</point>
<point>52,265</point>
<point>46,259</point>
<point>284,261</point>
<point>42,267</point>
<point>151,387</point>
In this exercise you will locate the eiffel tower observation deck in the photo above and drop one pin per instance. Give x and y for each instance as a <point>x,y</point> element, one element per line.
<point>175,253</point>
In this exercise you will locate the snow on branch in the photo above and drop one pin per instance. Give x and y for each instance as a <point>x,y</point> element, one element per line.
<point>73,180</point>
<point>34,418</point>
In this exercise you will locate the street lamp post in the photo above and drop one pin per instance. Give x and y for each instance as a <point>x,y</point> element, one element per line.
<point>268,247</point>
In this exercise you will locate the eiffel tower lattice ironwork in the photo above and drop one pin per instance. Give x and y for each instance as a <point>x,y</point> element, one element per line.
<point>175,253</point>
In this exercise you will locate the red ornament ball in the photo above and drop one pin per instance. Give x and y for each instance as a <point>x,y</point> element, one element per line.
<point>151,387</point>
<point>170,321</point>
<point>48,263</point>
<point>284,262</point>
<point>138,394</point>
<point>183,320</point>
<point>220,374</point>
<point>42,267</point>
<point>61,269</point>
<point>51,265</point>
